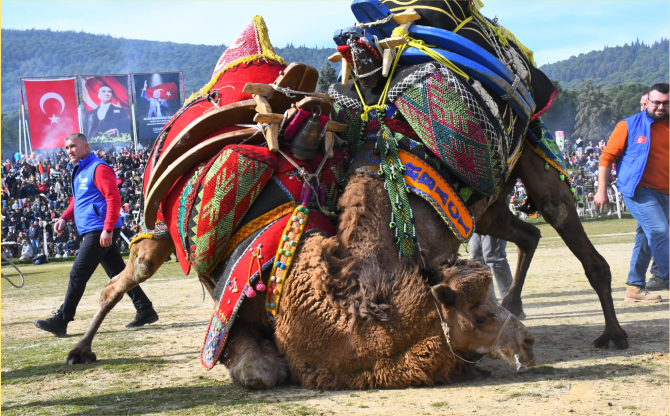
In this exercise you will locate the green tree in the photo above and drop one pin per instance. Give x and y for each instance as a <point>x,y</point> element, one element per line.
<point>594,114</point>
<point>327,77</point>
<point>625,99</point>
<point>10,133</point>
<point>561,115</point>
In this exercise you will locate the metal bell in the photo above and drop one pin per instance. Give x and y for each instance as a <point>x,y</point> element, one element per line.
<point>305,144</point>
<point>367,69</point>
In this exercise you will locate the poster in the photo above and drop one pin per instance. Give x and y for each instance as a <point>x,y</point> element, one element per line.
<point>157,99</point>
<point>52,111</point>
<point>106,110</point>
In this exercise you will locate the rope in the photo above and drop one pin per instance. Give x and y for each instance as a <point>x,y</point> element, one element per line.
<point>509,315</point>
<point>307,177</point>
<point>289,92</point>
<point>376,22</point>
<point>260,128</point>
<point>421,45</point>
<point>460,26</point>
<point>445,330</point>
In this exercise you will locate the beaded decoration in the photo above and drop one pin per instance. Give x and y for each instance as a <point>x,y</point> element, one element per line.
<point>402,218</point>
<point>287,247</point>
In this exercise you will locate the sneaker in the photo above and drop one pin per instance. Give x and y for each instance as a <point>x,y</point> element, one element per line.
<point>655,283</point>
<point>635,294</point>
<point>143,318</point>
<point>57,325</point>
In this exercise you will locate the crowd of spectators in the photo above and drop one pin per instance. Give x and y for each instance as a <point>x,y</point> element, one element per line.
<point>582,160</point>
<point>36,190</point>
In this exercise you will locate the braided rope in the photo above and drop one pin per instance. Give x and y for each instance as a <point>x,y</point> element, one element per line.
<point>402,217</point>
<point>289,92</point>
<point>376,22</point>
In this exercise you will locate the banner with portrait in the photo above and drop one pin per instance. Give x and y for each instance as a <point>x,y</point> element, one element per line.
<point>157,99</point>
<point>106,110</point>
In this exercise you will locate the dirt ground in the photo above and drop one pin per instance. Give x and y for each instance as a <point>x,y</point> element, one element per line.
<point>156,370</point>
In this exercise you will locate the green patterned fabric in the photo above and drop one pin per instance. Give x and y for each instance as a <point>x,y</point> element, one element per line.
<point>351,117</point>
<point>232,181</point>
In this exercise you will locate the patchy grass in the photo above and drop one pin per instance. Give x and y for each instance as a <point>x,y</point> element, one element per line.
<point>156,370</point>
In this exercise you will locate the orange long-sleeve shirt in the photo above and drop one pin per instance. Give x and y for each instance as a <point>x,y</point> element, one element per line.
<point>655,173</point>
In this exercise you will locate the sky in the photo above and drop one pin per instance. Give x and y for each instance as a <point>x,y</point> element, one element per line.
<point>554,30</point>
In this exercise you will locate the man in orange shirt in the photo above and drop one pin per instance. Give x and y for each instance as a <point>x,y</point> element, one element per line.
<point>639,147</point>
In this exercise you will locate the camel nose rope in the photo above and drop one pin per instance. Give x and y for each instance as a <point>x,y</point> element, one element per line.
<point>445,330</point>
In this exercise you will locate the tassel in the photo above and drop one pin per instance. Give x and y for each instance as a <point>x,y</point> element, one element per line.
<point>260,287</point>
<point>250,293</point>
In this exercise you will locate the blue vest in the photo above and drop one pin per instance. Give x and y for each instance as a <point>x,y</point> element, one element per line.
<point>90,206</point>
<point>631,166</point>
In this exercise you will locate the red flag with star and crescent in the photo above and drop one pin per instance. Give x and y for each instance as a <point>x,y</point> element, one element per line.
<point>52,112</point>
<point>168,91</point>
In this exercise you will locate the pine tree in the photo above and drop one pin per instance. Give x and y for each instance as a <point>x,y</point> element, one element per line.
<point>327,77</point>
<point>593,120</point>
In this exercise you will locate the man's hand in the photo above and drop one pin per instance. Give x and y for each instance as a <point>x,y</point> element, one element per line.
<point>601,200</point>
<point>105,239</point>
<point>60,226</point>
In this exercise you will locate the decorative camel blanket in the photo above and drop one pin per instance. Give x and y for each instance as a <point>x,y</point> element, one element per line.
<point>267,244</point>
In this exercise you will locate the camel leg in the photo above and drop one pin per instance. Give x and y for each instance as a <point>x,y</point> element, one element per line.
<point>252,360</point>
<point>146,256</point>
<point>555,202</point>
<point>497,221</point>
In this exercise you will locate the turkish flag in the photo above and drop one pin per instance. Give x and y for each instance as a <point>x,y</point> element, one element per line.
<point>169,91</point>
<point>52,112</point>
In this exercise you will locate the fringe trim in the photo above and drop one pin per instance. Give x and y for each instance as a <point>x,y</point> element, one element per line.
<point>553,96</point>
<point>268,54</point>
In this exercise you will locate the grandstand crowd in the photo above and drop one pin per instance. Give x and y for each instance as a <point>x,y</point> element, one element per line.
<point>36,190</point>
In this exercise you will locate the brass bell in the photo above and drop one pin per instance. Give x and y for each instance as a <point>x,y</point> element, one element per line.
<point>367,69</point>
<point>305,144</point>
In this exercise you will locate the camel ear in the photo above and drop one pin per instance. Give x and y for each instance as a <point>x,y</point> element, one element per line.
<point>443,294</point>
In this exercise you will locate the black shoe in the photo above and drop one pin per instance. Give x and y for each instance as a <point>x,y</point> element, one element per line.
<point>57,325</point>
<point>143,318</point>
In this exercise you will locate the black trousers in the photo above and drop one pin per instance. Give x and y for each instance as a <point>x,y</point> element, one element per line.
<point>91,253</point>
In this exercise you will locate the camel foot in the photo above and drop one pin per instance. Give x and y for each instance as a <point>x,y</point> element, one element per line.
<point>260,369</point>
<point>252,361</point>
<point>81,355</point>
<point>619,339</point>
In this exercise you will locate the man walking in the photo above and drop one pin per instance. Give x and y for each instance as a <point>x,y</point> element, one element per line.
<point>95,209</point>
<point>639,147</point>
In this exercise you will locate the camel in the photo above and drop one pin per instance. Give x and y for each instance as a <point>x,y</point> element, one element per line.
<point>416,321</point>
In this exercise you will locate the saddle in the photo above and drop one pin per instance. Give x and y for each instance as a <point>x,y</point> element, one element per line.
<point>242,173</point>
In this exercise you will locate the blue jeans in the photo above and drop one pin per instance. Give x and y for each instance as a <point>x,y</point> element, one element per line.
<point>650,209</point>
<point>36,246</point>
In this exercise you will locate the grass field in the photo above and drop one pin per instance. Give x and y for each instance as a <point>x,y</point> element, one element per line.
<point>156,369</point>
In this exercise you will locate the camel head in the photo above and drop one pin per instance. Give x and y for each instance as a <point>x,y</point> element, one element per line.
<point>476,324</point>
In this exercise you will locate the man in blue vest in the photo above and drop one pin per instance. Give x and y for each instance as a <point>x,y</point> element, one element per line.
<point>95,209</point>
<point>639,147</point>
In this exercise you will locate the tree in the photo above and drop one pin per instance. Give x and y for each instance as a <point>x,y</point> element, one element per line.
<point>624,99</point>
<point>594,114</point>
<point>561,115</point>
<point>327,77</point>
<point>10,132</point>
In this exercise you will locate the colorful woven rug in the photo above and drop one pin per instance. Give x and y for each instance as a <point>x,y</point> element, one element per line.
<point>224,191</point>
<point>449,119</point>
<point>235,281</point>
